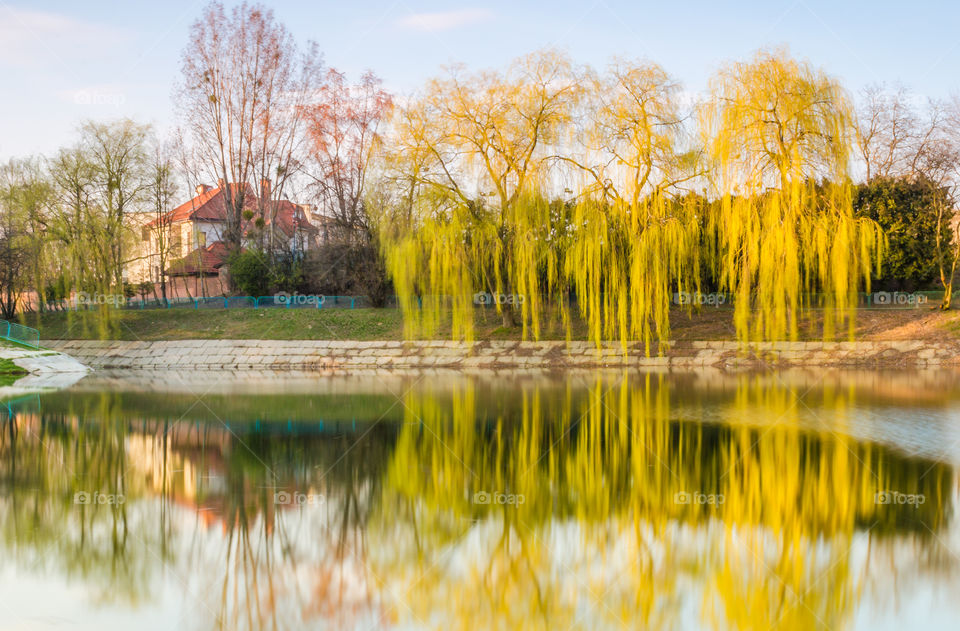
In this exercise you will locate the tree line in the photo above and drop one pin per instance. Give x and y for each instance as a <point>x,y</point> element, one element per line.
<point>253,107</point>
<point>547,181</point>
<point>584,193</point>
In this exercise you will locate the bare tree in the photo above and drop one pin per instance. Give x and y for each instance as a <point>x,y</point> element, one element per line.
<point>245,84</point>
<point>162,192</point>
<point>897,139</point>
<point>344,129</point>
<point>886,128</point>
<point>942,162</point>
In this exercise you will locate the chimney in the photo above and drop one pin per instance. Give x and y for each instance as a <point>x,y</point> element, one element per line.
<point>202,188</point>
<point>265,189</point>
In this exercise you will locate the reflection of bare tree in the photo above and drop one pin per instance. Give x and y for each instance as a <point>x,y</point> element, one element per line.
<point>283,564</point>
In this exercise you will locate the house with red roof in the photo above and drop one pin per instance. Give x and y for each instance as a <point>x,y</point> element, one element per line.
<point>192,237</point>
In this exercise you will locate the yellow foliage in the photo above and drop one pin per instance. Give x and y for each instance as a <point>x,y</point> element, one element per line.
<point>608,476</point>
<point>543,179</point>
<point>777,133</point>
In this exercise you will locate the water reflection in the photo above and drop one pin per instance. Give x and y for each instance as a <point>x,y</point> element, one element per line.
<point>596,502</point>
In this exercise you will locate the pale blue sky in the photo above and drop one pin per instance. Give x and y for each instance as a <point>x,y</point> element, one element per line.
<point>65,61</point>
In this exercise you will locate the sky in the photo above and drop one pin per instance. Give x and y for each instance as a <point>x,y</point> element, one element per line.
<point>64,62</point>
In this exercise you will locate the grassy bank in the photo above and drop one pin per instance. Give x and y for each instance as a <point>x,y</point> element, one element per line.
<point>387,324</point>
<point>9,372</point>
<point>270,324</point>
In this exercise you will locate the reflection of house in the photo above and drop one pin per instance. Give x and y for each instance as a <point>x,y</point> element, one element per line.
<point>191,235</point>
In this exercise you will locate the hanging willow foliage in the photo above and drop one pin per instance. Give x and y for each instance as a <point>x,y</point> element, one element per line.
<point>470,156</point>
<point>457,252</point>
<point>777,132</point>
<point>619,241</point>
<point>633,244</point>
<point>624,262</point>
<point>481,159</point>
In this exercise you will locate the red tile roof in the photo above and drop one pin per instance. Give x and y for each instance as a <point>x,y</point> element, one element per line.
<point>209,260</point>
<point>210,206</point>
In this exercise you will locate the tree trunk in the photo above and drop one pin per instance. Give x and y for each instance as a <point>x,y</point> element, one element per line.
<point>507,315</point>
<point>948,284</point>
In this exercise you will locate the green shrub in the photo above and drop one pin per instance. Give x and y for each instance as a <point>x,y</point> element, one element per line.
<point>250,272</point>
<point>907,212</point>
<point>254,274</point>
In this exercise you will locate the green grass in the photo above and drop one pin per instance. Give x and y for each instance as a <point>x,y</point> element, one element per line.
<point>14,344</point>
<point>9,372</point>
<point>387,324</point>
<point>171,324</point>
<point>271,324</point>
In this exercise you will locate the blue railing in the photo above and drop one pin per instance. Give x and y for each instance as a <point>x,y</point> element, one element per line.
<point>20,334</point>
<point>276,301</point>
<point>885,300</point>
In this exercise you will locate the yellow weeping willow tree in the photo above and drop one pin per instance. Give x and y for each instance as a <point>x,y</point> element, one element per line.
<point>463,254</point>
<point>482,160</point>
<point>634,242</point>
<point>469,157</point>
<point>777,132</point>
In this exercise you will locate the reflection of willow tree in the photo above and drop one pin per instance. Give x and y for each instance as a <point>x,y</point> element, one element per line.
<point>45,463</point>
<point>609,466</point>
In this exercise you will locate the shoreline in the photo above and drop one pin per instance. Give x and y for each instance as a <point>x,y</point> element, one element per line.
<point>45,370</point>
<point>346,356</point>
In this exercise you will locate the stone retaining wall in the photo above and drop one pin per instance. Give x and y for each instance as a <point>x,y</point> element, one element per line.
<point>351,355</point>
<point>42,362</point>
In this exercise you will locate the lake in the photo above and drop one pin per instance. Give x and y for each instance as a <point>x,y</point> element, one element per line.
<point>610,500</point>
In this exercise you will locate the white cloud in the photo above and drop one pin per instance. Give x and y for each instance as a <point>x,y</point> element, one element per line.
<point>446,20</point>
<point>30,38</point>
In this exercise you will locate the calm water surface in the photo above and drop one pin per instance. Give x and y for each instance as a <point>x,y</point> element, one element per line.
<point>436,501</point>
